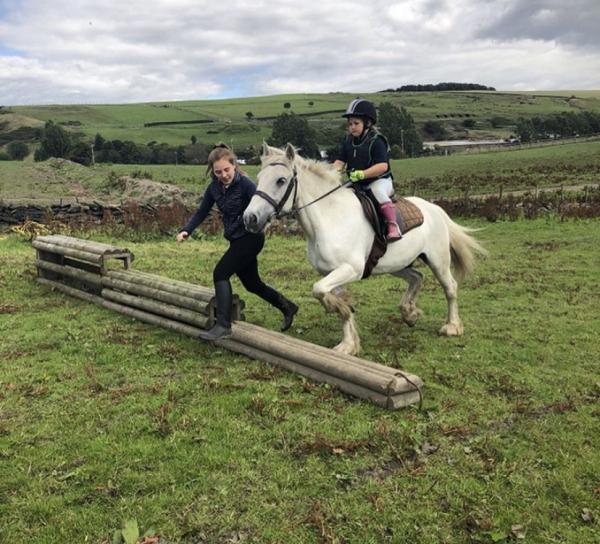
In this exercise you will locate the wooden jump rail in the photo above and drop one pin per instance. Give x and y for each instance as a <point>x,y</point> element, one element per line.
<point>80,268</point>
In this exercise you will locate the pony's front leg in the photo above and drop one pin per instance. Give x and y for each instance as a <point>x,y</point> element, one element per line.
<point>329,293</point>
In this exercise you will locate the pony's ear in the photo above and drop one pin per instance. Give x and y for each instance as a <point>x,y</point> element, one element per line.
<point>290,152</point>
<point>266,150</point>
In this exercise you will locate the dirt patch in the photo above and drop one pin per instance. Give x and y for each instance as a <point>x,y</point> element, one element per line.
<point>145,191</point>
<point>13,121</point>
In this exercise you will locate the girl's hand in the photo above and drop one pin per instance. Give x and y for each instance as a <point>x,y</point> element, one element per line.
<point>182,236</point>
<point>357,175</point>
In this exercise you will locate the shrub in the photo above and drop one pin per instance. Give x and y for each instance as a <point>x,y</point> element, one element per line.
<point>17,151</point>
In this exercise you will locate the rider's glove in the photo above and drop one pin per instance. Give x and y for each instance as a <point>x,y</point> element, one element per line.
<point>357,175</point>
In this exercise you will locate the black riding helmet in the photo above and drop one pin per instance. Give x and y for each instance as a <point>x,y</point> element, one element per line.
<point>361,108</point>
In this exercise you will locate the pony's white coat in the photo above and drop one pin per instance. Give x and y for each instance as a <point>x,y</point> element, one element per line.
<point>340,239</point>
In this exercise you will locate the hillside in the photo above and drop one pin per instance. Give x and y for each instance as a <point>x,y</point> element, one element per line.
<point>567,164</point>
<point>61,181</point>
<point>247,121</point>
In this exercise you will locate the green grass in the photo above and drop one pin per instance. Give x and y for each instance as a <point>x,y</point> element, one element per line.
<point>104,419</point>
<point>514,169</point>
<point>566,164</point>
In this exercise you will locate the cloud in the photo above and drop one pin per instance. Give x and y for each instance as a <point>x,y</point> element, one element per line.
<point>573,23</point>
<point>104,51</point>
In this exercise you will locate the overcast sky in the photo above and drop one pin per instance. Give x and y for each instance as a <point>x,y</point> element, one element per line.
<point>108,51</point>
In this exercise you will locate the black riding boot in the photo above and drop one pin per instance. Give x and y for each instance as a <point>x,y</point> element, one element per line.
<point>285,306</point>
<point>222,328</point>
<point>288,309</point>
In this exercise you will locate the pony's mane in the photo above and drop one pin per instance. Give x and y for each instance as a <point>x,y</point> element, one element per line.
<point>322,169</point>
<point>318,168</point>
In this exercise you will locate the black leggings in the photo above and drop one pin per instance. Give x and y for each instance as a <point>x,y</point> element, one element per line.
<point>241,259</point>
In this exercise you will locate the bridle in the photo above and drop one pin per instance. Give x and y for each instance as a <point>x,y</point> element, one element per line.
<point>292,186</point>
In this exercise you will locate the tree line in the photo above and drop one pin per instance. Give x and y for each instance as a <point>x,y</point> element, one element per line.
<point>447,86</point>
<point>395,123</point>
<point>55,141</point>
<point>559,125</point>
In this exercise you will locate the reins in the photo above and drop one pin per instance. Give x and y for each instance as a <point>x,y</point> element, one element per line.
<point>292,186</point>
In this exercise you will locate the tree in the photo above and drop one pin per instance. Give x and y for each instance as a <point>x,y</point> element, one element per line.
<point>287,105</point>
<point>398,126</point>
<point>193,139</point>
<point>99,142</point>
<point>130,154</point>
<point>180,155</point>
<point>435,130</point>
<point>289,128</point>
<point>17,151</point>
<point>396,152</point>
<point>249,115</point>
<point>525,130</point>
<point>81,153</point>
<point>56,141</point>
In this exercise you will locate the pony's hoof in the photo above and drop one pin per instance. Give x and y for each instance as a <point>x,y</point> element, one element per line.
<point>451,329</point>
<point>411,317</point>
<point>346,349</point>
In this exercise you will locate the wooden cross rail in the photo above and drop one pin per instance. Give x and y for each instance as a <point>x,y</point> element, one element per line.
<point>80,268</point>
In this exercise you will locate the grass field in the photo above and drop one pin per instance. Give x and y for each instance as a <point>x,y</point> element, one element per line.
<point>104,420</point>
<point>431,177</point>
<point>230,124</point>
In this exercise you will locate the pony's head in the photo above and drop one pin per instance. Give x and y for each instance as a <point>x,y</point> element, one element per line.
<point>277,186</point>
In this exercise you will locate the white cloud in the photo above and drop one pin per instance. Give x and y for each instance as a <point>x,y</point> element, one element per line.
<point>107,51</point>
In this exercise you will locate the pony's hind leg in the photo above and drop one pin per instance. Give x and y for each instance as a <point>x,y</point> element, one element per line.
<point>408,305</point>
<point>333,297</point>
<point>441,270</point>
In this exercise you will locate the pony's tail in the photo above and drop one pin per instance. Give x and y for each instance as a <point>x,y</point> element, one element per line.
<point>463,248</point>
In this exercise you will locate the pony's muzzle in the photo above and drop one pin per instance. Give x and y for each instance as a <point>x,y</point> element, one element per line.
<point>251,222</point>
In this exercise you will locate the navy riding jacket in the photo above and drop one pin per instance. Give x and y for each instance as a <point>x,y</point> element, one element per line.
<point>231,202</point>
<point>361,153</point>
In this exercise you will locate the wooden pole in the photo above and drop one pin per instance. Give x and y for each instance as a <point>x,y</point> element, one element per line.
<point>156,307</point>
<point>318,351</point>
<point>351,373</point>
<point>69,252</point>
<point>391,402</point>
<point>201,306</point>
<point>88,246</point>
<point>164,284</point>
<point>71,291</point>
<point>153,319</point>
<point>71,272</point>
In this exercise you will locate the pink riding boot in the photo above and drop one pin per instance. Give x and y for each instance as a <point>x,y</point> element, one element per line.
<point>388,210</point>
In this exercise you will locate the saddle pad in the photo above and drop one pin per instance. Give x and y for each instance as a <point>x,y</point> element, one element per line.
<point>408,215</point>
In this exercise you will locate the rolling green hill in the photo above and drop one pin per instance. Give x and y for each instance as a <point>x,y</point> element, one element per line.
<point>229,120</point>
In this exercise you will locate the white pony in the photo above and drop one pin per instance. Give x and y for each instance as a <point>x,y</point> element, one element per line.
<point>340,238</point>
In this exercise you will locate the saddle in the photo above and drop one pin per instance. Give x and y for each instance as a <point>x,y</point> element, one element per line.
<point>408,217</point>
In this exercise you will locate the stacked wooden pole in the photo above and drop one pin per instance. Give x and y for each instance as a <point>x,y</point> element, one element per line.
<point>80,268</point>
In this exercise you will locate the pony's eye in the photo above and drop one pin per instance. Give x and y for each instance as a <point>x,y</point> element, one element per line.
<point>281,181</point>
